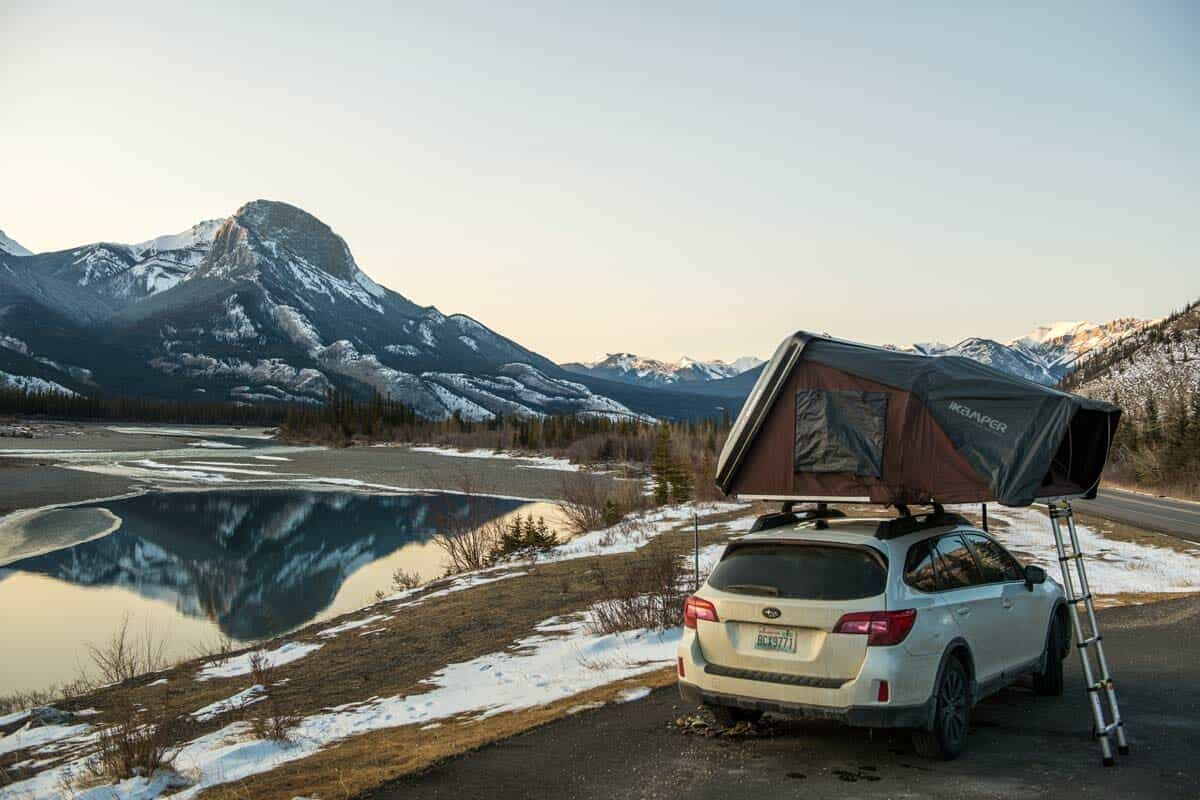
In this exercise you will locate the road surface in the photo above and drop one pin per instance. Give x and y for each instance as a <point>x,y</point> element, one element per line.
<point>1021,745</point>
<point>1162,514</point>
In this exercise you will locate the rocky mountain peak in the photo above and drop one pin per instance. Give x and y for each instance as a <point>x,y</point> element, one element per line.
<point>284,227</point>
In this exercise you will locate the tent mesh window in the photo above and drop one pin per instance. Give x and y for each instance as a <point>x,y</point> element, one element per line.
<point>840,431</point>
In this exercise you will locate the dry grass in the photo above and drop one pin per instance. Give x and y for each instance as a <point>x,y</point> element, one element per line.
<point>267,717</point>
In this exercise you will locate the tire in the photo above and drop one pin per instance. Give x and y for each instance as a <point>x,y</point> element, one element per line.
<point>951,718</point>
<point>1049,682</point>
<point>728,716</point>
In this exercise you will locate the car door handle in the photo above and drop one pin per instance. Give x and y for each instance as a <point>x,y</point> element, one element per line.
<point>1004,601</point>
<point>962,611</point>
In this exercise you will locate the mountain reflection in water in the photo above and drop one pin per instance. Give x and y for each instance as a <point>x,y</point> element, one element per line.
<point>256,563</point>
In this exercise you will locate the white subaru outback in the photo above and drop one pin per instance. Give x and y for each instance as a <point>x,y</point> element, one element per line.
<point>905,623</point>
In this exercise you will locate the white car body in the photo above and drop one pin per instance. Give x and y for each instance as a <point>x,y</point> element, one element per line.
<point>999,630</point>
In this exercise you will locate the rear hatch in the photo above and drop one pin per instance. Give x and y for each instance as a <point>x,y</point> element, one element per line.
<point>777,603</point>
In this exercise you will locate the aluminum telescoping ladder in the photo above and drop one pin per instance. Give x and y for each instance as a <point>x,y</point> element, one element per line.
<point>1060,511</point>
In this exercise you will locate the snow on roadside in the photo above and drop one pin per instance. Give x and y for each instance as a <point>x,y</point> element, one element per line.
<point>1113,567</point>
<point>286,653</point>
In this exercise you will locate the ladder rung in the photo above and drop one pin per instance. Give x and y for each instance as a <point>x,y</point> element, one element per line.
<point>1109,728</point>
<point>1073,557</point>
<point>1090,640</point>
<point>1101,686</point>
<point>1080,599</point>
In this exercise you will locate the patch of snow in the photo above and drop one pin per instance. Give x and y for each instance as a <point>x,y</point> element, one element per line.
<point>13,343</point>
<point>216,445</point>
<point>240,665</point>
<point>469,342</point>
<point>30,736</point>
<point>632,694</point>
<point>402,350</point>
<point>351,625</point>
<point>246,697</point>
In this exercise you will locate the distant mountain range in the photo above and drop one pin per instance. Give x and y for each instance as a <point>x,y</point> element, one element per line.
<point>1160,361</point>
<point>630,368</point>
<point>1046,355</point>
<point>270,305</point>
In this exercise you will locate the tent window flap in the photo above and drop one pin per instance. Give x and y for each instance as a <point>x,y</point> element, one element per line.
<point>840,431</point>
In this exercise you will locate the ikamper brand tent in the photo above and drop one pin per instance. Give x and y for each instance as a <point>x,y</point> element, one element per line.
<point>832,419</point>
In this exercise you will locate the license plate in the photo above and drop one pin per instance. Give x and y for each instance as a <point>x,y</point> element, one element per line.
<point>775,640</point>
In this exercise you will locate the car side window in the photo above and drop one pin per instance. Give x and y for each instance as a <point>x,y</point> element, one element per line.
<point>956,565</point>
<point>994,561</point>
<point>919,570</point>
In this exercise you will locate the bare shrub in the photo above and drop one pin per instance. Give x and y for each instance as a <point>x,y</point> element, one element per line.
<point>132,746</point>
<point>468,545</point>
<point>126,655</point>
<point>267,718</point>
<point>644,593</point>
<point>592,502</point>
<point>404,581</point>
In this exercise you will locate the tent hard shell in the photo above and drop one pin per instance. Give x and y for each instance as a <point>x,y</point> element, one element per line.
<point>835,420</point>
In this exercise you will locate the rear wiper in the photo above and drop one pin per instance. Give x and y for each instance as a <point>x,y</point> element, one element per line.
<point>753,588</point>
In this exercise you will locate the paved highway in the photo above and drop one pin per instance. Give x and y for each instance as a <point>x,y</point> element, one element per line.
<point>1176,517</point>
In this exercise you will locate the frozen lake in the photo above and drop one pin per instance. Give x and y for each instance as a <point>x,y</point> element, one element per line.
<point>195,567</point>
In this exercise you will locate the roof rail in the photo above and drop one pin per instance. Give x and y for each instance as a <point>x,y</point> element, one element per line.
<point>908,523</point>
<point>787,516</point>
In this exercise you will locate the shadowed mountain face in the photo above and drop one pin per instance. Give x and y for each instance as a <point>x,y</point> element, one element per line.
<point>269,305</point>
<point>256,563</point>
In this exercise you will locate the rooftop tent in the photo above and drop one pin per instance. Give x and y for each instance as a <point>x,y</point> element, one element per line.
<point>832,419</point>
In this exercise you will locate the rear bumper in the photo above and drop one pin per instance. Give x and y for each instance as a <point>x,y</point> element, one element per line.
<point>918,716</point>
<point>852,699</point>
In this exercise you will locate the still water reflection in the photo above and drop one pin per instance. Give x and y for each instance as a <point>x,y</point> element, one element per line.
<point>193,567</point>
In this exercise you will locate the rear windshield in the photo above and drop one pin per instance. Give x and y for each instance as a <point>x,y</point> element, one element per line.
<point>800,572</point>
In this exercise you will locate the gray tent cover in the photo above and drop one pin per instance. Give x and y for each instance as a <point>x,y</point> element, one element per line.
<point>835,419</point>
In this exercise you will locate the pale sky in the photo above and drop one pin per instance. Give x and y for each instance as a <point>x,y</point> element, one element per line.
<point>694,179</point>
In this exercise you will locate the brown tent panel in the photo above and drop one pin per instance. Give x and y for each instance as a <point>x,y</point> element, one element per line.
<point>839,420</point>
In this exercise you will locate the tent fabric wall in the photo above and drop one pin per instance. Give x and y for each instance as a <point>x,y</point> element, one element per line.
<point>955,431</point>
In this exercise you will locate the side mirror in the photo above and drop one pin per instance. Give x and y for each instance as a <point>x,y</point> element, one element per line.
<point>1033,575</point>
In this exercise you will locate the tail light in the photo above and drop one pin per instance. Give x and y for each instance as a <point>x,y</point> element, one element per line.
<point>695,608</point>
<point>882,628</point>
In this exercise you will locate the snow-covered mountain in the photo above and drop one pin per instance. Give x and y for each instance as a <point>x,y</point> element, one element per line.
<point>630,368</point>
<point>1160,360</point>
<point>269,304</point>
<point>12,248</point>
<point>1047,355</point>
